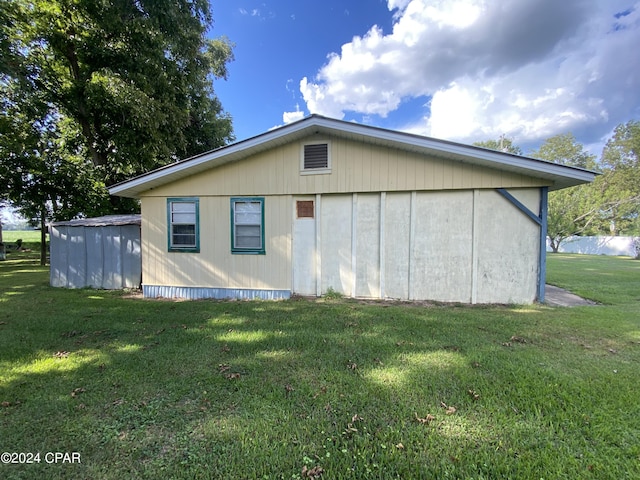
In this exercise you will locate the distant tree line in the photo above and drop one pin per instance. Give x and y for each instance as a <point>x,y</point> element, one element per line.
<point>608,206</point>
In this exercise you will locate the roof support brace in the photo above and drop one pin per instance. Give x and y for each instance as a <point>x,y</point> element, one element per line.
<point>541,221</point>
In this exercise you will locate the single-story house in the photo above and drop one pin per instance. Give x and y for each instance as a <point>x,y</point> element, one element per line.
<point>327,205</point>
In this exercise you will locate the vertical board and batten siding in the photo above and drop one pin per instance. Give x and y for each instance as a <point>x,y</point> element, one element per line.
<point>356,167</point>
<point>335,248</point>
<point>215,266</point>
<point>460,246</point>
<point>397,234</point>
<point>449,246</point>
<point>390,224</point>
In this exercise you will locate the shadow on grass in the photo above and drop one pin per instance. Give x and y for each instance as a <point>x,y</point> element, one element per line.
<point>207,389</point>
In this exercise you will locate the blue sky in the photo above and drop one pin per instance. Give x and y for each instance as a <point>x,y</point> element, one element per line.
<point>462,70</point>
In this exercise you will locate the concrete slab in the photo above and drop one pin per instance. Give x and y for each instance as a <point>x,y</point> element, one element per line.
<point>558,297</point>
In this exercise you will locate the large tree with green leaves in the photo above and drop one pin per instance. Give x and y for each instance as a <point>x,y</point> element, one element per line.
<point>620,184</point>
<point>571,211</point>
<point>124,84</point>
<point>503,144</point>
<point>42,168</point>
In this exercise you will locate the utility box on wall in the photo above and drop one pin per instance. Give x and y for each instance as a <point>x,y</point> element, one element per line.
<point>102,252</point>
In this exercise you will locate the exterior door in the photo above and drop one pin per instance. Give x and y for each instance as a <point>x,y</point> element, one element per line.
<point>304,246</point>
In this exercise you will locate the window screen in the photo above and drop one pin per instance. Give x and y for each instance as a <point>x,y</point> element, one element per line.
<point>247,229</point>
<point>183,224</point>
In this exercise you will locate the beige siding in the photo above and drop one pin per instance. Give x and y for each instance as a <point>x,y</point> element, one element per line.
<point>356,167</point>
<point>214,266</point>
<point>390,224</point>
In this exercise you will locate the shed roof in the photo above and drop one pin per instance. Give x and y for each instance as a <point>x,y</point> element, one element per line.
<point>559,176</point>
<point>105,221</point>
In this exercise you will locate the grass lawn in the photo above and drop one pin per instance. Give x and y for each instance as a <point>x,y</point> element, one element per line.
<point>9,237</point>
<point>328,389</point>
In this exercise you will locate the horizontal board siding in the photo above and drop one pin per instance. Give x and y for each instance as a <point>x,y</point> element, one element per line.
<point>355,167</point>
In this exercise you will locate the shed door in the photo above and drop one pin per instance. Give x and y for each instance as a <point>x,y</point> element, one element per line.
<point>304,246</point>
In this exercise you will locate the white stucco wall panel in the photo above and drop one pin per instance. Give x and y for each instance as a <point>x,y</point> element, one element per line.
<point>507,242</point>
<point>367,245</point>
<point>396,245</point>
<point>336,225</point>
<point>441,258</point>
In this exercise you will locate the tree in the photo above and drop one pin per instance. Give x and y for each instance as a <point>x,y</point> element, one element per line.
<point>620,184</point>
<point>571,211</point>
<point>44,170</point>
<point>503,144</point>
<point>133,79</point>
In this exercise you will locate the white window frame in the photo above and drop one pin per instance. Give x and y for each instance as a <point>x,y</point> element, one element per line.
<point>316,171</point>
<point>171,222</point>
<point>253,250</point>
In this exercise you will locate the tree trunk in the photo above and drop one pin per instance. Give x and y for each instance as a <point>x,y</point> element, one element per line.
<point>43,237</point>
<point>3,253</point>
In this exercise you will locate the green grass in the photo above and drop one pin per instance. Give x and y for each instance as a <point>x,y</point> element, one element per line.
<point>608,280</point>
<point>9,237</point>
<point>204,389</point>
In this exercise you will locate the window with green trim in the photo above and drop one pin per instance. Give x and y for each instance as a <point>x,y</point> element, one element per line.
<point>184,225</point>
<point>247,225</point>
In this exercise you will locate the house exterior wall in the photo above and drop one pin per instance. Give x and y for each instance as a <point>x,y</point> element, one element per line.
<point>215,265</point>
<point>451,246</point>
<point>469,246</point>
<point>387,224</point>
<point>356,167</point>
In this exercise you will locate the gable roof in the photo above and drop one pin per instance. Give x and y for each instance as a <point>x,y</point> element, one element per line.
<point>559,176</point>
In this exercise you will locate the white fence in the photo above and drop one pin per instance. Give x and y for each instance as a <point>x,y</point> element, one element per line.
<point>623,246</point>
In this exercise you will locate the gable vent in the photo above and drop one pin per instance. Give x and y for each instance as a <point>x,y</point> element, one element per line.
<point>316,156</point>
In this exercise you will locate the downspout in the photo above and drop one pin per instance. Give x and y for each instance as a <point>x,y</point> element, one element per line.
<point>542,265</point>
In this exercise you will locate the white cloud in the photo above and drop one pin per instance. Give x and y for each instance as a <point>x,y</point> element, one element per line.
<point>288,117</point>
<point>525,68</point>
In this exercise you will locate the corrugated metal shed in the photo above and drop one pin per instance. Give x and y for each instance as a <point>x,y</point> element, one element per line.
<point>102,252</point>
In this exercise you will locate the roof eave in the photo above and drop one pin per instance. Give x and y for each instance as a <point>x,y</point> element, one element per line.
<point>558,176</point>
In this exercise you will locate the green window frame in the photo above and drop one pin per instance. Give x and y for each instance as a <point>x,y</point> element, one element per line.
<point>183,222</point>
<point>247,225</point>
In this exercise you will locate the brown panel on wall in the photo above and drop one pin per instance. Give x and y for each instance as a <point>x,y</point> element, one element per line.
<point>304,209</point>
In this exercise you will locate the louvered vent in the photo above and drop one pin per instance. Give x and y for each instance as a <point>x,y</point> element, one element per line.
<point>316,156</point>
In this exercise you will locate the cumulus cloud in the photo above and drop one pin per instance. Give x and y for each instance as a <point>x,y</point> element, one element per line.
<point>526,68</point>
<point>288,117</point>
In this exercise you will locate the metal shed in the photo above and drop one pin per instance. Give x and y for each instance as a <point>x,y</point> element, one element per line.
<point>102,252</point>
